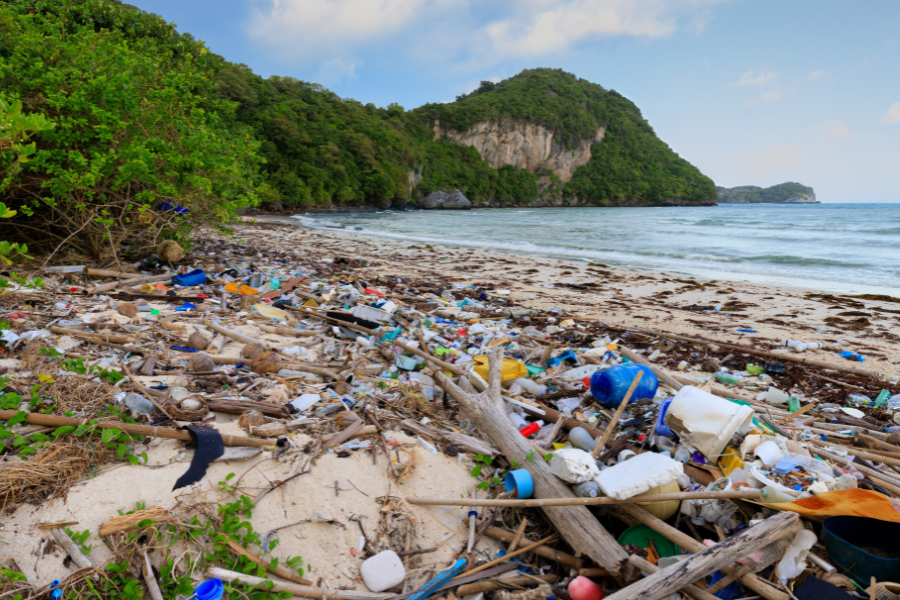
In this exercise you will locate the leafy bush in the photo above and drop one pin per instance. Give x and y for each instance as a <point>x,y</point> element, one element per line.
<point>139,128</point>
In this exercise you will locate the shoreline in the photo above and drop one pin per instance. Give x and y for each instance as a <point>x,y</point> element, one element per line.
<point>623,297</point>
<point>702,272</point>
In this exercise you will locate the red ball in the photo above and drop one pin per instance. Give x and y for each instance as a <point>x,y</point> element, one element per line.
<point>582,588</point>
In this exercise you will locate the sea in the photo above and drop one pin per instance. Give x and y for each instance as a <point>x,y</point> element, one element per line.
<point>839,248</point>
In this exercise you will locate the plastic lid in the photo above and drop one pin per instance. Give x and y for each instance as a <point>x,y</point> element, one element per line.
<point>786,465</point>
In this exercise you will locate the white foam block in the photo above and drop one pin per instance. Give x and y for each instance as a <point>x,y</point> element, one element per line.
<point>637,475</point>
<point>573,465</point>
<point>382,571</point>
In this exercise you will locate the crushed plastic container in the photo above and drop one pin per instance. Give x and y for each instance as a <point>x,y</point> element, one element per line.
<point>195,277</point>
<point>704,421</point>
<point>610,386</point>
<point>511,369</point>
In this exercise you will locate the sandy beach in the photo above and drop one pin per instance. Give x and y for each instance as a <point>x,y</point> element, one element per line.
<point>625,298</point>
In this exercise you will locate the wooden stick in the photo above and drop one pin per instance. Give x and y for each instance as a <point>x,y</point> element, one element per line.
<point>144,430</point>
<point>691,590</point>
<point>350,431</point>
<point>518,536</point>
<point>506,557</point>
<point>289,331</point>
<point>754,582</point>
<point>72,549</point>
<point>106,273</point>
<point>668,580</point>
<point>607,434</point>
<point>304,591</point>
<point>105,287</point>
<point>489,586</point>
<point>545,551</point>
<point>239,550</point>
<point>115,339</point>
<point>543,502</point>
<point>799,412</point>
<point>240,337</point>
<point>150,579</point>
<point>860,453</point>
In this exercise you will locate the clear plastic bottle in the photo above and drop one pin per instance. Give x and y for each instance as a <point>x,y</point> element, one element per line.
<point>580,438</point>
<point>588,489</point>
<point>767,555</point>
<point>771,495</point>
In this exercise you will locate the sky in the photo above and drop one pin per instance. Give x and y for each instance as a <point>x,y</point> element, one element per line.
<point>753,92</point>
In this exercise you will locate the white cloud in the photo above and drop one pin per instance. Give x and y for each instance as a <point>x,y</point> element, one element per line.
<point>765,98</point>
<point>305,27</point>
<point>335,70</point>
<point>892,116</point>
<point>539,26</point>
<point>765,76</point>
<point>837,130</point>
<point>777,157</point>
<point>818,75</point>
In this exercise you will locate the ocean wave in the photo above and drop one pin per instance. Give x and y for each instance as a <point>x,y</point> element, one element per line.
<point>784,259</point>
<point>710,258</point>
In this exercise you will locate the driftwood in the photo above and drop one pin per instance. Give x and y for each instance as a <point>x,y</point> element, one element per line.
<point>462,441</point>
<point>72,549</point>
<point>103,337</point>
<point>150,579</point>
<point>754,582</point>
<point>145,430</point>
<point>105,287</point>
<point>542,502</point>
<point>305,591</point>
<point>668,580</point>
<point>660,374</point>
<point>490,586</point>
<point>691,590</point>
<point>549,553</point>
<point>126,522</point>
<point>582,531</point>
<point>237,407</point>
<point>280,429</point>
<point>288,574</point>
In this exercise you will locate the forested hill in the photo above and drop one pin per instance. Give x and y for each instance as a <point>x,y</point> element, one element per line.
<point>783,193</point>
<point>139,112</point>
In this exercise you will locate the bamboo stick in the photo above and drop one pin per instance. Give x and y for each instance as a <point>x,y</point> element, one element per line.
<point>105,287</point>
<point>506,557</point>
<point>544,502</point>
<point>304,591</point>
<point>607,433</point>
<point>544,551</point>
<point>145,430</point>
<point>239,550</point>
<point>107,273</point>
<point>489,586</point>
<point>72,549</point>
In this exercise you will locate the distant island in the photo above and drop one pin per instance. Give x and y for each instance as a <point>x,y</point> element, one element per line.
<point>783,193</point>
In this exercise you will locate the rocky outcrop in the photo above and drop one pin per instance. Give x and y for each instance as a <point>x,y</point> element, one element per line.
<point>783,193</point>
<point>526,145</point>
<point>446,201</point>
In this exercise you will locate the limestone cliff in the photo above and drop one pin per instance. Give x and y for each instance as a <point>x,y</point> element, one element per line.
<point>783,193</point>
<point>525,145</point>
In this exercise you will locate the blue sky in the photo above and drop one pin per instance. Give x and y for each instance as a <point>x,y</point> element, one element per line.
<point>751,91</point>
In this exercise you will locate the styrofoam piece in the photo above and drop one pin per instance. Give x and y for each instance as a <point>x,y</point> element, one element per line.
<point>704,421</point>
<point>382,571</point>
<point>573,465</point>
<point>371,314</point>
<point>769,453</point>
<point>582,372</point>
<point>637,475</point>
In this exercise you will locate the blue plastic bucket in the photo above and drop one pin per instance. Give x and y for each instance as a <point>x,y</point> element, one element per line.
<point>211,589</point>
<point>520,481</point>
<point>609,386</point>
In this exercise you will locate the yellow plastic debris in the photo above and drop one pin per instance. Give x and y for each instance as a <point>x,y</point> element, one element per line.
<point>511,369</point>
<point>240,288</point>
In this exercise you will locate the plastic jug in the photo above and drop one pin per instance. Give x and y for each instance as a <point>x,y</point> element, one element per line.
<point>511,369</point>
<point>609,386</point>
<point>580,438</point>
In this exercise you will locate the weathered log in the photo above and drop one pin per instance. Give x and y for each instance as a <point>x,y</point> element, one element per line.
<point>668,580</point>
<point>582,531</point>
<point>754,582</point>
<point>691,590</point>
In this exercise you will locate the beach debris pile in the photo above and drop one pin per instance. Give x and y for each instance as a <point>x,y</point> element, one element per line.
<point>599,461</point>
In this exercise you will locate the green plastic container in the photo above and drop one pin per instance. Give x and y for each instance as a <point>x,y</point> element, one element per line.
<point>641,535</point>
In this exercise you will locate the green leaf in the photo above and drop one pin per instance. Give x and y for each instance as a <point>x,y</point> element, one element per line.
<point>477,470</point>
<point>132,459</point>
<point>110,434</point>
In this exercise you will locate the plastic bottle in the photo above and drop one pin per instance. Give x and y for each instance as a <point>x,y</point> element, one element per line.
<point>776,396</point>
<point>793,404</point>
<point>588,489</point>
<point>767,555</point>
<point>728,378</point>
<point>518,420</point>
<point>580,438</point>
<point>532,387</point>
<point>324,411</point>
<point>682,454</point>
<point>860,398</point>
<point>794,561</point>
<point>609,386</point>
<point>771,495</point>
<point>797,346</point>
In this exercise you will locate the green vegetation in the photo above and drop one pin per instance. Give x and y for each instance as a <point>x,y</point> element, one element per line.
<point>110,119</point>
<point>630,165</point>
<point>783,193</point>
